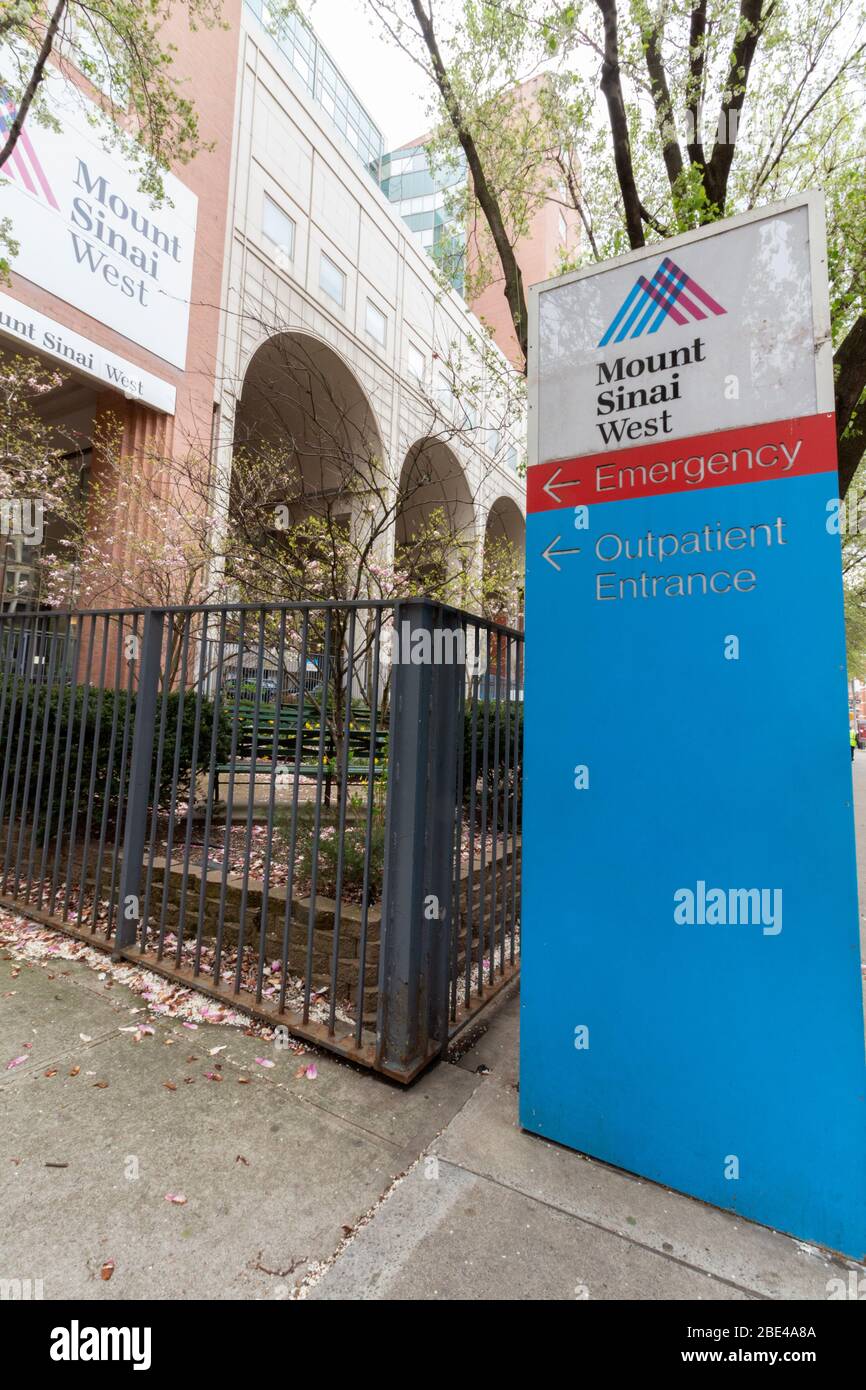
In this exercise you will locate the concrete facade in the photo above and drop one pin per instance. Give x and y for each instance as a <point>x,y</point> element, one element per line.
<point>290,153</point>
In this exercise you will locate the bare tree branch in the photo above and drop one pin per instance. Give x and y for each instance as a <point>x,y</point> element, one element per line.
<point>850,363</point>
<point>611,86</point>
<point>695,83</point>
<point>487,199</point>
<point>753,20</point>
<point>671,152</point>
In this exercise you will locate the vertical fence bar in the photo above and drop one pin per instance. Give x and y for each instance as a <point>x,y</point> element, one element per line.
<point>413,975</point>
<point>368,842</point>
<point>230,799</point>
<point>251,802</point>
<point>132,662</point>
<point>129,896</point>
<point>13,733</point>
<point>162,701</point>
<point>43,748</point>
<point>272,796</point>
<point>116,700</point>
<point>341,834</point>
<point>485,788</point>
<point>65,696</point>
<point>473,811</point>
<point>186,623</point>
<point>507,841</point>
<point>457,914</point>
<point>94,761</point>
<point>83,741</point>
<point>193,777</point>
<point>317,815</point>
<point>37,659</point>
<point>213,781</point>
<point>518,745</point>
<point>293,829</point>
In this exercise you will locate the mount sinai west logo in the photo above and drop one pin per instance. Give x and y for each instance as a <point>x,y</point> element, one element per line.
<point>671,293</point>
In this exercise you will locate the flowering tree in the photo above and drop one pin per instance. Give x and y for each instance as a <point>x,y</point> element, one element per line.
<point>39,469</point>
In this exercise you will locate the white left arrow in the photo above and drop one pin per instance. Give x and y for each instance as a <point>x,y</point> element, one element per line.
<point>551,487</point>
<point>549,553</point>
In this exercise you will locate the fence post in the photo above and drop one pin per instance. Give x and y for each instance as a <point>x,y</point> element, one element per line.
<point>412,1023</point>
<point>138,794</point>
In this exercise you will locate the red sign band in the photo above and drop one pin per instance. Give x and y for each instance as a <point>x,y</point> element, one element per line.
<point>755,453</point>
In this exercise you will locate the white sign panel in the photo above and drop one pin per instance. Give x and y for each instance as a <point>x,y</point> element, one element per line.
<point>31,330</point>
<point>90,237</point>
<point>714,335</point>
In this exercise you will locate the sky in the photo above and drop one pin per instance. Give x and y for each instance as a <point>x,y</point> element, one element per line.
<point>388,83</point>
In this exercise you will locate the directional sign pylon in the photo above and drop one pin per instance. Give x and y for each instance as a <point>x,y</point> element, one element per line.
<point>691,993</point>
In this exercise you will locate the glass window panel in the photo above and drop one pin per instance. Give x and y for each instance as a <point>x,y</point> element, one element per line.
<point>278,227</point>
<point>376,323</point>
<point>332,280</point>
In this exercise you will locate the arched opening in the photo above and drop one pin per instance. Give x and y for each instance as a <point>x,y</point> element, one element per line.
<point>308,485</point>
<point>504,562</point>
<point>435,522</point>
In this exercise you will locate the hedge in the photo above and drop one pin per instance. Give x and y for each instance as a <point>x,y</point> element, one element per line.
<point>90,737</point>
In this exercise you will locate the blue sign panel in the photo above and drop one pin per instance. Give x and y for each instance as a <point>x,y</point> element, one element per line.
<point>691,983</point>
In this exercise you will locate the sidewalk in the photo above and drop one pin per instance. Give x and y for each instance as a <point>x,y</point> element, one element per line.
<point>308,1179</point>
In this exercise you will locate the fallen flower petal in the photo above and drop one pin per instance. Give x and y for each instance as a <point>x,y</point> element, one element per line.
<point>107,1269</point>
<point>177,1198</point>
<point>16,1062</point>
<point>264,1061</point>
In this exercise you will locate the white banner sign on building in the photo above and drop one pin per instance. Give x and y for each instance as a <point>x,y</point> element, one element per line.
<point>88,235</point>
<point>36,331</point>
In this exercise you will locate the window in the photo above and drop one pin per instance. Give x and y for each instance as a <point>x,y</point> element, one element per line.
<point>444,393</point>
<point>377,324</point>
<point>278,228</point>
<point>417,363</point>
<point>332,280</point>
<point>493,442</point>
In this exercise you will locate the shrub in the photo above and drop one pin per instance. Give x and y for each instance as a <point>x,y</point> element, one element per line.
<point>509,715</point>
<point>84,725</point>
<point>354,854</point>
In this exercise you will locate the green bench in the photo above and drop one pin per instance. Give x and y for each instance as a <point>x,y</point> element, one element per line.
<point>259,761</point>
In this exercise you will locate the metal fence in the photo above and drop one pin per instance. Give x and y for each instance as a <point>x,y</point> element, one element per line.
<point>309,811</point>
